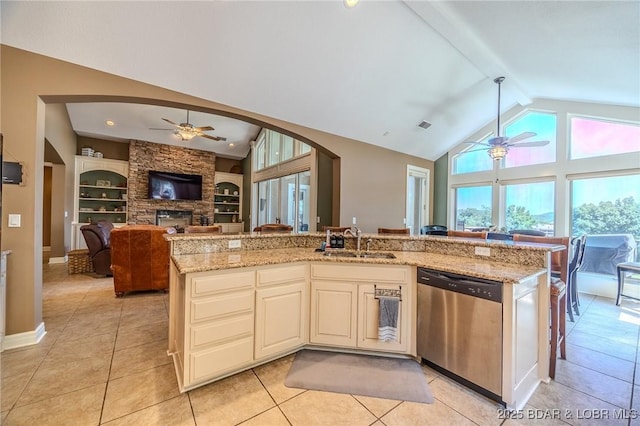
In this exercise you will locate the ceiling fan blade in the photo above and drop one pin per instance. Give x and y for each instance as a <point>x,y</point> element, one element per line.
<point>171,122</point>
<point>472,150</point>
<point>158,128</point>
<point>477,143</point>
<point>528,144</point>
<point>203,128</point>
<point>214,138</point>
<point>521,136</point>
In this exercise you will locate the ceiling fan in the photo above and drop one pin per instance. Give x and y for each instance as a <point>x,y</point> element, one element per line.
<point>187,131</point>
<point>498,146</point>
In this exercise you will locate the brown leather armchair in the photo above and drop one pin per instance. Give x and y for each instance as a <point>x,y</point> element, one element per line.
<point>139,258</point>
<point>98,238</point>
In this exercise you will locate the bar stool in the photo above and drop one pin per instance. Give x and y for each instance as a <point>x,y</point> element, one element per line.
<point>396,231</point>
<point>558,300</point>
<point>622,268</point>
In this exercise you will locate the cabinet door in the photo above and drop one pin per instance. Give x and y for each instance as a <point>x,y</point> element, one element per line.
<point>281,318</point>
<point>368,316</point>
<point>333,313</point>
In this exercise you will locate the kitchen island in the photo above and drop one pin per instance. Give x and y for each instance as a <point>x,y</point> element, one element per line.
<point>234,308</point>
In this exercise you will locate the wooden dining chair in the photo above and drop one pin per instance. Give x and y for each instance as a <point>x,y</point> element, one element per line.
<point>557,293</point>
<point>468,234</point>
<point>394,231</point>
<point>340,229</point>
<point>199,229</point>
<point>271,228</point>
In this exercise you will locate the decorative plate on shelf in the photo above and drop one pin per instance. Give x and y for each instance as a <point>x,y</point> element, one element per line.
<point>100,182</point>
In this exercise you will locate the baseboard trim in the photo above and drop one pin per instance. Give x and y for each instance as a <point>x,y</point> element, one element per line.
<point>27,338</point>
<point>63,259</point>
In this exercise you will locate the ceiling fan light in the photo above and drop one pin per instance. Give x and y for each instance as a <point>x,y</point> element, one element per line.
<point>186,134</point>
<point>498,152</point>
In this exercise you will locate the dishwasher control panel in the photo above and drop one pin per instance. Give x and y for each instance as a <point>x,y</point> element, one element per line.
<point>476,287</point>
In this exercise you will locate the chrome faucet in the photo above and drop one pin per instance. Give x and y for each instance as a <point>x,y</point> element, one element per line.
<point>357,234</point>
<point>369,241</point>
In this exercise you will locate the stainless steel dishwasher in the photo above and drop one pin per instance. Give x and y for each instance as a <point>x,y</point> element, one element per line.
<point>460,329</point>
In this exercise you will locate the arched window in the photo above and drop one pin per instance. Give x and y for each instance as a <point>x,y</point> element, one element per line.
<point>474,158</point>
<point>544,125</point>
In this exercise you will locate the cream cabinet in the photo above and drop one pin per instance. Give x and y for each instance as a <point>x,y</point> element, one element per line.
<point>211,332</point>
<point>281,310</point>
<point>369,314</point>
<point>223,322</point>
<point>345,311</point>
<point>334,308</point>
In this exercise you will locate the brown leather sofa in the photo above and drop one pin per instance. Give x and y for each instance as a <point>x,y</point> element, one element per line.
<point>139,258</point>
<point>98,238</point>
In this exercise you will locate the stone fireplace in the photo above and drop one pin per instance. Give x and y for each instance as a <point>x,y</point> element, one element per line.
<point>176,218</point>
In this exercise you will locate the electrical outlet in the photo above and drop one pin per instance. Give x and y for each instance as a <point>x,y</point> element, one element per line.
<point>354,220</point>
<point>235,244</point>
<point>404,221</point>
<point>483,251</point>
<point>318,219</point>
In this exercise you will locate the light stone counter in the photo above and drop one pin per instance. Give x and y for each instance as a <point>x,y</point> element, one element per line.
<point>504,272</point>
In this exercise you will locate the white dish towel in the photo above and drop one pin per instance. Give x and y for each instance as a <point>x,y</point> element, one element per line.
<point>388,320</point>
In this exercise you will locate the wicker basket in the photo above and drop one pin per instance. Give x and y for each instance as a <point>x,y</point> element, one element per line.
<point>79,262</point>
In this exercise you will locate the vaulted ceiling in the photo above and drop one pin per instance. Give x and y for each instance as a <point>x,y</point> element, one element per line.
<point>371,73</point>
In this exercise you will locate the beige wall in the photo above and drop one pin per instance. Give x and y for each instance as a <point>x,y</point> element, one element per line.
<point>62,139</point>
<point>372,179</point>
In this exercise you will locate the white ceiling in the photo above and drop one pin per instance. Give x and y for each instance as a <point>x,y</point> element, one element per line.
<point>371,73</point>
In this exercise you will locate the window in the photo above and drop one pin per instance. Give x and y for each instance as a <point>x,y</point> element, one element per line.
<point>473,207</point>
<point>273,148</point>
<point>544,125</point>
<point>282,181</point>
<point>592,137</point>
<point>473,159</point>
<point>606,205</point>
<point>285,200</point>
<point>530,206</point>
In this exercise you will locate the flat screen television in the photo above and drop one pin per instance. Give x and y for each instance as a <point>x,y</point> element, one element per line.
<point>174,186</point>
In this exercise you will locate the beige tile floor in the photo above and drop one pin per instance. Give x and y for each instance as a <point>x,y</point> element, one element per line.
<point>103,361</point>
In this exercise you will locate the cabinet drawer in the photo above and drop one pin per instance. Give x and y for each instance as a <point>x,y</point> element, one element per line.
<point>360,273</point>
<point>209,284</point>
<point>221,330</point>
<point>222,305</point>
<point>209,363</point>
<point>282,275</point>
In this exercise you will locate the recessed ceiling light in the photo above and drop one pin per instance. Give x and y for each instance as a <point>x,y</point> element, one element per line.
<point>349,4</point>
<point>231,145</point>
<point>110,123</point>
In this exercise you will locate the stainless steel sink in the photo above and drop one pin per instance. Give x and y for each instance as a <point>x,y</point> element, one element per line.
<point>377,255</point>
<point>362,254</point>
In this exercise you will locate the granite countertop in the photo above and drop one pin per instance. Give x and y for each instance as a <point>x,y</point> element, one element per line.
<point>507,273</point>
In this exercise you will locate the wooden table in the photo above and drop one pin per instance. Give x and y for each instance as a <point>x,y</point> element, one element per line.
<point>622,269</point>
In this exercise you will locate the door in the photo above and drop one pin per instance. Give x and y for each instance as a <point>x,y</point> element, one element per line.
<point>333,313</point>
<point>417,214</point>
<point>368,320</point>
<point>281,318</point>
